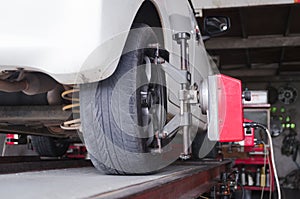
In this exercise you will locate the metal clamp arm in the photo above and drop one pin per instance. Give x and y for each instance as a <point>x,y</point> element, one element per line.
<point>180,76</point>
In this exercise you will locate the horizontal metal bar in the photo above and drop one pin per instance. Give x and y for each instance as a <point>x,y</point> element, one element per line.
<point>32,113</point>
<point>270,41</point>
<point>31,131</point>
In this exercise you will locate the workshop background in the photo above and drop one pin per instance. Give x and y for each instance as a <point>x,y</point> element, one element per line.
<point>262,49</point>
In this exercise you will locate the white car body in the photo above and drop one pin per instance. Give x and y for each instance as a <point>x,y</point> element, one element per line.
<point>61,37</point>
<point>79,41</point>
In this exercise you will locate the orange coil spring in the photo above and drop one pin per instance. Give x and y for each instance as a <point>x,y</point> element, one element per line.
<point>73,124</point>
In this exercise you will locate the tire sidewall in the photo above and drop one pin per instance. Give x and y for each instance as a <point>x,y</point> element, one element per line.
<point>110,129</point>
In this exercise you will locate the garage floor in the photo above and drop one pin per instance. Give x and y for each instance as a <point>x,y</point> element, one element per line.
<point>67,183</point>
<point>88,182</point>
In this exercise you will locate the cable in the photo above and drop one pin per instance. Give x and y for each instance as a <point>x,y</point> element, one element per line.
<point>255,125</point>
<point>273,161</point>
<point>192,7</point>
<point>263,187</point>
<point>203,197</point>
<point>270,178</point>
<point>265,162</point>
<point>243,190</point>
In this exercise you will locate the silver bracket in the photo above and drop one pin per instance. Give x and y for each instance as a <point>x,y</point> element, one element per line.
<point>187,95</point>
<point>180,76</point>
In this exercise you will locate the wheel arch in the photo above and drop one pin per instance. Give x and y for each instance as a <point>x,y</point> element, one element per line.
<point>103,61</point>
<point>149,14</point>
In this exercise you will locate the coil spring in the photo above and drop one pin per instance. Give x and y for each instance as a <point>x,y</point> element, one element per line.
<point>73,124</point>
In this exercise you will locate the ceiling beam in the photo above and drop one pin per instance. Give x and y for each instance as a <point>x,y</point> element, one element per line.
<point>211,4</point>
<point>286,33</point>
<point>289,72</point>
<point>246,72</point>
<point>270,41</point>
<point>254,66</point>
<point>244,29</point>
<point>261,79</point>
<point>263,75</point>
<point>288,21</point>
<point>287,66</point>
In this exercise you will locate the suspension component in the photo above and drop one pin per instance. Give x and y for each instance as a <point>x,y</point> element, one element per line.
<point>70,95</point>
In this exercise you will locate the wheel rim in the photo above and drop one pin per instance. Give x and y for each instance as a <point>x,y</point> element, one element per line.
<point>151,102</point>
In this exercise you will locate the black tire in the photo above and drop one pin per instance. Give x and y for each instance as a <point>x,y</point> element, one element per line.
<point>202,147</point>
<point>49,147</point>
<point>114,119</point>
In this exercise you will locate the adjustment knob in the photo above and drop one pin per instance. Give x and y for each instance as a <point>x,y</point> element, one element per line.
<point>246,95</point>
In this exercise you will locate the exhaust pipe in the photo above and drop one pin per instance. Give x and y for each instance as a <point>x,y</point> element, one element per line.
<point>11,87</point>
<point>38,83</point>
<point>30,84</point>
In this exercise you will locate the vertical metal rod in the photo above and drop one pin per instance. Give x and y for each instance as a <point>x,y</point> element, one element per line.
<point>186,141</point>
<point>184,54</point>
<point>182,39</point>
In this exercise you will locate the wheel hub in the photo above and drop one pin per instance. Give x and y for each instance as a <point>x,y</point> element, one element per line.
<point>149,98</point>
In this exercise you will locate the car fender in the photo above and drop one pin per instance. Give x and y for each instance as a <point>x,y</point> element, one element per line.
<point>70,40</point>
<point>77,41</point>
